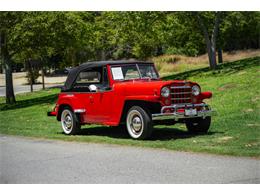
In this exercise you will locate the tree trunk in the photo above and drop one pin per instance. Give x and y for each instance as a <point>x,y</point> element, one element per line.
<point>213,57</point>
<point>212,61</point>
<point>10,97</point>
<point>43,82</point>
<point>31,85</point>
<point>214,36</point>
<point>211,43</point>
<point>220,57</point>
<point>103,55</point>
<point>30,75</point>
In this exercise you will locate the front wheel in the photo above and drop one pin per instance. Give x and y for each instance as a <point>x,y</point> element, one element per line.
<point>198,125</point>
<point>138,123</point>
<point>69,122</point>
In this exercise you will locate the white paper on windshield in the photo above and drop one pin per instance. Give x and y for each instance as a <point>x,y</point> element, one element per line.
<point>117,73</point>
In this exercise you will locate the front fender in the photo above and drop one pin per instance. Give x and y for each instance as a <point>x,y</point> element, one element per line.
<point>129,101</point>
<point>205,95</point>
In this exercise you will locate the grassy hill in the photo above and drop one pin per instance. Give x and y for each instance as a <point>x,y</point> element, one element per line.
<point>234,131</point>
<point>167,64</point>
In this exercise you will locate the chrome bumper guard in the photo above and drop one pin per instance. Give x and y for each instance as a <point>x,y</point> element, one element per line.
<point>204,112</point>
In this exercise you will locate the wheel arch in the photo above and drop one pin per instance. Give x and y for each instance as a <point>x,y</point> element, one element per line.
<point>72,102</point>
<point>150,107</point>
<point>61,108</point>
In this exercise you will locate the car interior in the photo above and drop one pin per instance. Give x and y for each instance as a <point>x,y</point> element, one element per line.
<point>88,78</point>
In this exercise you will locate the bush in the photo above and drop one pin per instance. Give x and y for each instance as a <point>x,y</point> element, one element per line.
<point>32,76</point>
<point>188,50</point>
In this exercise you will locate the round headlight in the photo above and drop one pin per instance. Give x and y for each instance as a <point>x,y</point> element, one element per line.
<point>195,90</point>
<point>165,92</point>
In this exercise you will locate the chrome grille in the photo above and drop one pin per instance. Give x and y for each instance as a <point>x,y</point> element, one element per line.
<point>180,94</point>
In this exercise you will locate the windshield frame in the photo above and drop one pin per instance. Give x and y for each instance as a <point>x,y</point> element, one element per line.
<point>138,70</point>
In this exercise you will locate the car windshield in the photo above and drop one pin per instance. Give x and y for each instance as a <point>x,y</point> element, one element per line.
<point>134,71</point>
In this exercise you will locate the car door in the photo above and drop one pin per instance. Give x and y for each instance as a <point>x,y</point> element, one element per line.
<point>88,98</point>
<point>105,98</point>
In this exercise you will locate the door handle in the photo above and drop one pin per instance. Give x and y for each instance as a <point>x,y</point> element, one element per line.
<point>91,99</point>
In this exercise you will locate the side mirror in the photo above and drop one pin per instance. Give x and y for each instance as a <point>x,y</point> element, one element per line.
<point>93,88</point>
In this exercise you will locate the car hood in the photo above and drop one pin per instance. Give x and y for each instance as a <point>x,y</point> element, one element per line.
<point>146,87</point>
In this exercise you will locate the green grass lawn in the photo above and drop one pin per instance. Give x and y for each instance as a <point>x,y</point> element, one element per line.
<point>234,131</point>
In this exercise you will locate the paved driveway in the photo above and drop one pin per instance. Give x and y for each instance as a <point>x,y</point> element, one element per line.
<point>19,80</point>
<point>26,88</point>
<point>25,160</point>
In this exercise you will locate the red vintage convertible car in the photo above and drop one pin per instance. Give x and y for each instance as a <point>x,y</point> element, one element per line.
<point>129,93</point>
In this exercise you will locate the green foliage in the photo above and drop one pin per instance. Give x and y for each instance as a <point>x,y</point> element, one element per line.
<point>128,34</point>
<point>240,30</point>
<point>41,35</point>
<point>187,50</point>
<point>182,35</point>
<point>32,76</point>
<point>75,37</point>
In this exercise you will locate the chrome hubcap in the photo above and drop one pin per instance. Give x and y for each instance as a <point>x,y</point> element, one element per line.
<point>66,121</point>
<point>134,123</point>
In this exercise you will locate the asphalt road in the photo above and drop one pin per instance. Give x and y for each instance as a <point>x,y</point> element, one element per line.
<point>25,88</point>
<point>25,160</point>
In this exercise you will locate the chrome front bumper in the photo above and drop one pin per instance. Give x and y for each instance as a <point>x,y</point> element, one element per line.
<point>204,112</point>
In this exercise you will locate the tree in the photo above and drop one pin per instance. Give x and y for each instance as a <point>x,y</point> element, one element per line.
<point>128,34</point>
<point>7,21</point>
<point>41,35</point>
<point>72,36</point>
<point>182,35</point>
<point>197,24</point>
<point>210,39</point>
<point>63,39</point>
<point>10,97</point>
<point>33,40</point>
<point>240,30</point>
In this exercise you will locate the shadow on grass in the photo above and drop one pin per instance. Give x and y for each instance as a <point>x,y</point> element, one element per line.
<point>162,134</point>
<point>225,68</point>
<point>30,102</point>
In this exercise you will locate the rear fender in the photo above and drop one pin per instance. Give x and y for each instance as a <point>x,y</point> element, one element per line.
<point>70,101</point>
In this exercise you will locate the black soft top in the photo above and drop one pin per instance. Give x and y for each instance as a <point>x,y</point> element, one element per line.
<point>73,73</point>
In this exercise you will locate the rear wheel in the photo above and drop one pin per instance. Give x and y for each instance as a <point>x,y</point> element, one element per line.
<point>138,123</point>
<point>69,122</point>
<point>198,125</point>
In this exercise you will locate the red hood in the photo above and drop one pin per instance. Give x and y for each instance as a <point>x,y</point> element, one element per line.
<point>146,87</point>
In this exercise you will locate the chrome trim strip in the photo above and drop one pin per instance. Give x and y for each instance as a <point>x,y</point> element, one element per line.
<point>176,115</point>
<point>80,110</point>
<point>176,106</point>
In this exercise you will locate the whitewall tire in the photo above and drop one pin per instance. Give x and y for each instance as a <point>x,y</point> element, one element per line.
<point>138,123</point>
<point>69,122</point>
